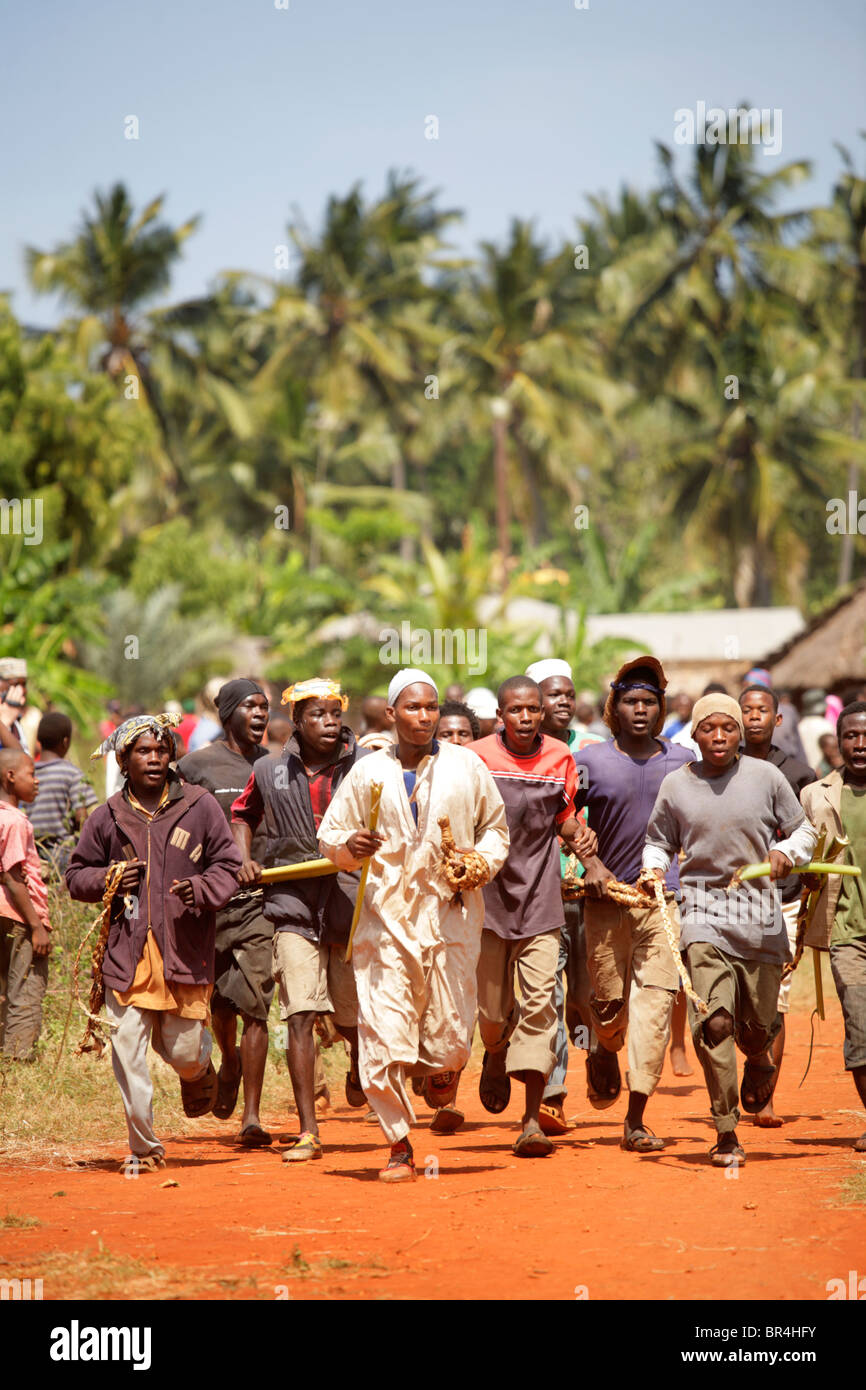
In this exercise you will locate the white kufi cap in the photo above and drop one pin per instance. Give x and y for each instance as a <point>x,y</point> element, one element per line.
<point>410,675</point>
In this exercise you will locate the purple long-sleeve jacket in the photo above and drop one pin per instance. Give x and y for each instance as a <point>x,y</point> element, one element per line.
<point>189,838</point>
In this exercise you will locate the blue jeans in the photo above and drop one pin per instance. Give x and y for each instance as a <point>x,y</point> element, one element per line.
<point>573,1012</point>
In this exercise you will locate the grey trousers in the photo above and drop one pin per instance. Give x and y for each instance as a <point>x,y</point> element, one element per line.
<point>23,980</point>
<point>185,1043</point>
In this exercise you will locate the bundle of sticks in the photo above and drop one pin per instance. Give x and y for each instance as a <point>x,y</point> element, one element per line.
<point>639,895</point>
<point>461,871</point>
<point>95,1036</point>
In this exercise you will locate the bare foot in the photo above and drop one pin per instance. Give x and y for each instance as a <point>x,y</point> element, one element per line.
<point>680,1062</point>
<point>767,1118</point>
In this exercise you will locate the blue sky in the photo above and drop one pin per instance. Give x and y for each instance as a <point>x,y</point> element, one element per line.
<point>247,111</point>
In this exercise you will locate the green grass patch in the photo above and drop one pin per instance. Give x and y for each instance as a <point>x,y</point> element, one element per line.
<point>13,1221</point>
<point>853,1189</point>
<point>104,1274</point>
<point>60,1105</point>
<point>299,1267</point>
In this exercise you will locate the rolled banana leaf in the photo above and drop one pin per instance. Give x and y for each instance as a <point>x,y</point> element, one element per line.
<point>750,871</point>
<point>311,868</point>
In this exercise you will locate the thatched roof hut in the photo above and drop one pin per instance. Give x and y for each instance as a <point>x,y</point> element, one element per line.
<point>831,650</point>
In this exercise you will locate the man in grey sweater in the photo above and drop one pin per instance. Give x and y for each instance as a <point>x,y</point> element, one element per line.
<point>724,812</point>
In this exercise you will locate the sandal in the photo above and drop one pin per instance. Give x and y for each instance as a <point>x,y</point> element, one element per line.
<point>227,1096</point>
<point>751,1072</point>
<point>598,1085</point>
<point>859,1145</point>
<point>199,1096</point>
<point>727,1158</point>
<point>447,1120</point>
<point>532,1144</point>
<point>641,1141</point>
<point>254,1137</point>
<point>551,1119</point>
<point>495,1094</point>
<point>134,1164</point>
<point>308,1145</point>
<point>354,1093</point>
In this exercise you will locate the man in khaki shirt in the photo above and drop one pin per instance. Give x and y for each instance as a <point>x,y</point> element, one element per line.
<point>837,804</point>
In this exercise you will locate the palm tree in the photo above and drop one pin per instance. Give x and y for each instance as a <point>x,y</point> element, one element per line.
<point>840,234</point>
<point>530,374</point>
<point>696,311</point>
<point>117,263</point>
<point>150,648</point>
<point>356,327</point>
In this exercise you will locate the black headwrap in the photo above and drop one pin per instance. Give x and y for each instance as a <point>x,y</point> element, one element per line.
<point>232,694</point>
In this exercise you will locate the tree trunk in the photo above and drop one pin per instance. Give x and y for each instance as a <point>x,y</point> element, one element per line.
<point>500,483</point>
<point>846,555</point>
<point>315,545</point>
<point>537,515</point>
<point>744,576</point>
<point>398,483</point>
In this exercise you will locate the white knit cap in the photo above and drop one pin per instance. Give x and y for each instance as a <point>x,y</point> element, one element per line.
<point>13,668</point>
<point>482,702</point>
<point>410,675</point>
<point>542,670</point>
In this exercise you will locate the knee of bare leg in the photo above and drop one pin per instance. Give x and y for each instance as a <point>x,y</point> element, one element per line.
<point>301,1024</point>
<point>718,1028</point>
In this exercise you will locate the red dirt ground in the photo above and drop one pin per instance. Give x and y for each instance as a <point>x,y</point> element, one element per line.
<point>590,1221</point>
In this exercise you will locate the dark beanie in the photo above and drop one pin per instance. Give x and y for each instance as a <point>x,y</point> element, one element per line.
<point>232,694</point>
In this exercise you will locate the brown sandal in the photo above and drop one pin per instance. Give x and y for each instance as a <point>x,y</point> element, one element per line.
<point>551,1119</point>
<point>199,1096</point>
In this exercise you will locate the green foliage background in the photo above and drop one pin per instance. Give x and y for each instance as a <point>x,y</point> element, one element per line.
<point>392,432</point>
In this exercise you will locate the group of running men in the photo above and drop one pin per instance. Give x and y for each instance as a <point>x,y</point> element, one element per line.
<point>199,940</point>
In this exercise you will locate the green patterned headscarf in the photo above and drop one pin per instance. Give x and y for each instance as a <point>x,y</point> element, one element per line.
<point>125,734</point>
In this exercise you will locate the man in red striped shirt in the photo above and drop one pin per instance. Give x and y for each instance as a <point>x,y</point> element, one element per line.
<point>537,779</point>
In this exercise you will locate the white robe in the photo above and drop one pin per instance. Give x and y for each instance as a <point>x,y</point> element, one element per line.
<point>415,950</point>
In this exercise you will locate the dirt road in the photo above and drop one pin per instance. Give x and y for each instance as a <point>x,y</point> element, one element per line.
<point>590,1221</point>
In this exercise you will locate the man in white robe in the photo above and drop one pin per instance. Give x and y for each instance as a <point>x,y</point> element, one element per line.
<point>417,943</point>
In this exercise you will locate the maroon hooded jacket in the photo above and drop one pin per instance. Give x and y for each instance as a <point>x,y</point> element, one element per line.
<point>188,838</point>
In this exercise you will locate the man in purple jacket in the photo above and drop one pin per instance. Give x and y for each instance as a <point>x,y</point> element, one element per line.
<point>158,971</point>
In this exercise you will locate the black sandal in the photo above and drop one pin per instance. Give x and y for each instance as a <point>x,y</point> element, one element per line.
<point>199,1096</point>
<point>598,1092</point>
<point>226,1097</point>
<point>498,1092</point>
<point>751,1071</point>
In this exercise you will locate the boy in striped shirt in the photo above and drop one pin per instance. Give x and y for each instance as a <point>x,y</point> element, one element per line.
<point>65,797</point>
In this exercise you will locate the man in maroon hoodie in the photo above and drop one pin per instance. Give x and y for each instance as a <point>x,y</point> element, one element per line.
<point>158,971</point>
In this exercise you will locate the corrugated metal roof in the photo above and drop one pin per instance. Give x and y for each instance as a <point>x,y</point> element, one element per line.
<point>720,634</point>
<point>713,634</point>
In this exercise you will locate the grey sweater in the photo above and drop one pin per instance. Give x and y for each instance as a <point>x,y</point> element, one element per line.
<point>721,823</point>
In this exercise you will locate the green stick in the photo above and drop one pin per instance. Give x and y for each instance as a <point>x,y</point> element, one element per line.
<point>749,871</point>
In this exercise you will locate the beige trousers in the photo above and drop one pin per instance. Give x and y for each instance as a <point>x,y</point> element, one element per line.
<point>528,1027</point>
<point>634,983</point>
